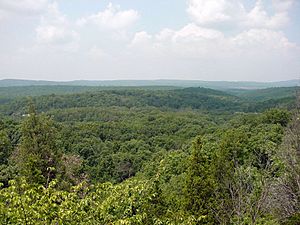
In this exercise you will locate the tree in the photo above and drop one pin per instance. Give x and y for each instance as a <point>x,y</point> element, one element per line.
<point>288,188</point>
<point>200,183</point>
<point>6,171</point>
<point>5,146</point>
<point>277,116</point>
<point>38,155</point>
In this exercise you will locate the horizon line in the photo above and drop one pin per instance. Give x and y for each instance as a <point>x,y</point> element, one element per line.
<point>115,80</point>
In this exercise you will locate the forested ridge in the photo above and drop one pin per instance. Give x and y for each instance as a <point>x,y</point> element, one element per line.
<point>145,155</point>
<point>160,97</point>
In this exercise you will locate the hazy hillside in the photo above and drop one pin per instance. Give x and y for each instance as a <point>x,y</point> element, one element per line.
<point>63,97</point>
<point>197,98</point>
<point>37,90</point>
<point>265,94</point>
<point>179,83</point>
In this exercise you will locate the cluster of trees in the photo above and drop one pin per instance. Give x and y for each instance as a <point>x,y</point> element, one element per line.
<point>175,99</point>
<point>149,165</point>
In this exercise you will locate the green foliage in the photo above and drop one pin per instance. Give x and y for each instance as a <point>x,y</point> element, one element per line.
<point>7,144</point>
<point>265,94</point>
<point>200,183</point>
<point>293,220</point>
<point>132,202</point>
<point>5,147</point>
<point>141,156</point>
<point>38,155</point>
<point>197,98</point>
<point>277,116</point>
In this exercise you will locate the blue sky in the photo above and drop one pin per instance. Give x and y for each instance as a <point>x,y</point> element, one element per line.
<point>138,39</point>
<point>154,16</point>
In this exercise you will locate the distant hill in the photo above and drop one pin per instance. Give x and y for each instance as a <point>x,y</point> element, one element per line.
<point>37,90</point>
<point>265,94</point>
<point>177,83</point>
<point>17,83</point>
<point>196,98</point>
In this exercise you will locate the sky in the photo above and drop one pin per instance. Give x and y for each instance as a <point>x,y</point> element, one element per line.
<point>233,40</point>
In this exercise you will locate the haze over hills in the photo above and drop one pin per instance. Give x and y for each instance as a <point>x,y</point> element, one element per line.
<point>14,100</point>
<point>162,82</point>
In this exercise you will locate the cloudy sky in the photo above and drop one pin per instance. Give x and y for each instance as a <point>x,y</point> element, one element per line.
<point>141,39</point>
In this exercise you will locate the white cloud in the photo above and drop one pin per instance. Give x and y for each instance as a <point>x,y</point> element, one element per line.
<point>194,52</point>
<point>192,32</point>
<point>189,41</point>
<point>20,9</point>
<point>28,7</point>
<point>233,13</point>
<point>205,12</point>
<point>282,5</point>
<point>193,41</point>
<point>261,40</point>
<point>223,37</point>
<point>50,34</point>
<point>111,18</point>
<point>55,29</point>
<point>141,38</point>
<point>97,54</point>
<point>259,18</point>
<point>3,15</point>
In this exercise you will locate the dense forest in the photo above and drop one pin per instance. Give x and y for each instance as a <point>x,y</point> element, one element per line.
<point>149,155</point>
